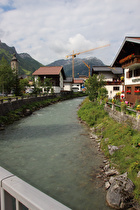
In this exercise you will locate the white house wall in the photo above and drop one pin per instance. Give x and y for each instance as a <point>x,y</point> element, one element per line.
<point>133,80</point>
<point>111,92</point>
<point>67,86</point>
<point>55,88</point>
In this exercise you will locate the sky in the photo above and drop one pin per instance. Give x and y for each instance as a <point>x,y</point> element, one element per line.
<point>49,30</point>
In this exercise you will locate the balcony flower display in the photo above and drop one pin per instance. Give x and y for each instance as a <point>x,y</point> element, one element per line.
<point>129,57</point>
<point>118,94</point>
<point>128,91</point>
<point>122,78</point>
<point>137,91</point>
<point>138,108</point>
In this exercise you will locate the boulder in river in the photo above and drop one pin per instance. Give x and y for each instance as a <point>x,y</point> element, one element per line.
<point>120,192</point>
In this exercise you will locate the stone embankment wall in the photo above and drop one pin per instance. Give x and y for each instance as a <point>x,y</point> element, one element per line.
<point>16,104</point>
<point>121,117</point>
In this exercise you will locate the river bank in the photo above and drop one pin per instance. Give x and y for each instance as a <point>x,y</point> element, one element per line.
<point>30,107</point>
<point>118,144</point>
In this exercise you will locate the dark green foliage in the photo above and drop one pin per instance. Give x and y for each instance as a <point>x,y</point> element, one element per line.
<point>7,77</point>
<point>94,87</point>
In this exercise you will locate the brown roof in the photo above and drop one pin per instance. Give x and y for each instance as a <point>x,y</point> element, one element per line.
<point>48,70</point>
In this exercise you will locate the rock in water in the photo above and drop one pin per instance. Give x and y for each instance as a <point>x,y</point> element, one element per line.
<point>120,192</point>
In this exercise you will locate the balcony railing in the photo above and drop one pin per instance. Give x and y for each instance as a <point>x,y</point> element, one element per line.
<point>130,60</point>
<point>113,82</point>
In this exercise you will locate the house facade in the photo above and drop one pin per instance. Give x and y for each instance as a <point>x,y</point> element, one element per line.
<point>68,84</point>
<point>78,84</point>
<point>128,57</point>
<point>75,85</point>
<point>55,73</point>
<point>112,77</point>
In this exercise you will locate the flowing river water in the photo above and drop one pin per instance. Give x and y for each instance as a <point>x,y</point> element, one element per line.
<point>52,151</point>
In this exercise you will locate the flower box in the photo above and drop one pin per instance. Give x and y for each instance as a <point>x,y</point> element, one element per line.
<point>129,57</point>
<point>128,91</point>
<point>137,92</point>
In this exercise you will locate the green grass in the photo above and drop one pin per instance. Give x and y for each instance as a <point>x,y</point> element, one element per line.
<point>127,158</point>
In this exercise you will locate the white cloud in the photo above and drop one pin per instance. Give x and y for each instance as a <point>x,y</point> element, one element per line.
<point>49,30</point>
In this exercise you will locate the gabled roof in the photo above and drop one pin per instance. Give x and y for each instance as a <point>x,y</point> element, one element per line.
<point>115,70</point>
<point>129,46</point>
<point>49,70</point>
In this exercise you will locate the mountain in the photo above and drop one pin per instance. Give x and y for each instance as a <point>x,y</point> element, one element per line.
<point>27,65</point>
<point>79,67</point>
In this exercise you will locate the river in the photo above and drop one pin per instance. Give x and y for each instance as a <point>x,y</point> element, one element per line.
<point>52,151</point>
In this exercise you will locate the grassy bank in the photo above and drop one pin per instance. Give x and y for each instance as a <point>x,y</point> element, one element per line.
<point>127,158</point>
<point>20,113</point>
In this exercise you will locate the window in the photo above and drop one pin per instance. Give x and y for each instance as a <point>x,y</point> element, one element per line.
<point>137,90</point>
<point>128,90</point>
<point>116,88</point>
<point>136,72</point>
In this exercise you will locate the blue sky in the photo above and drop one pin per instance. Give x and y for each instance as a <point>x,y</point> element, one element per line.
<point>50,30</point>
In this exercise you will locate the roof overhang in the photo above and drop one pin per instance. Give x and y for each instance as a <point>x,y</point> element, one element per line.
<point>128,47</point>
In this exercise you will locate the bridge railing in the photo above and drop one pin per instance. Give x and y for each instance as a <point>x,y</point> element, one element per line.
<point>16,194</point>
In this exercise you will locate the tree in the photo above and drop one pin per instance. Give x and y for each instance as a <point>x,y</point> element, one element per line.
<point>23,84</point>
<point>47,84</point>
<point>16,88</point>
<point>7,77</point>
<point>102,93</point>
<point>93,86</point>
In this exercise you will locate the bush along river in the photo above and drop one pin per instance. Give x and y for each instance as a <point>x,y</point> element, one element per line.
<point>53,151</point>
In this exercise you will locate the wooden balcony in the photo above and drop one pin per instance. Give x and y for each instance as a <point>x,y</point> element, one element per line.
<point>113,82</point>
<point>129,60</point>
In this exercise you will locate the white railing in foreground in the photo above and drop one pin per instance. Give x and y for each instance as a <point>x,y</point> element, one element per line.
<point>15,190</point>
